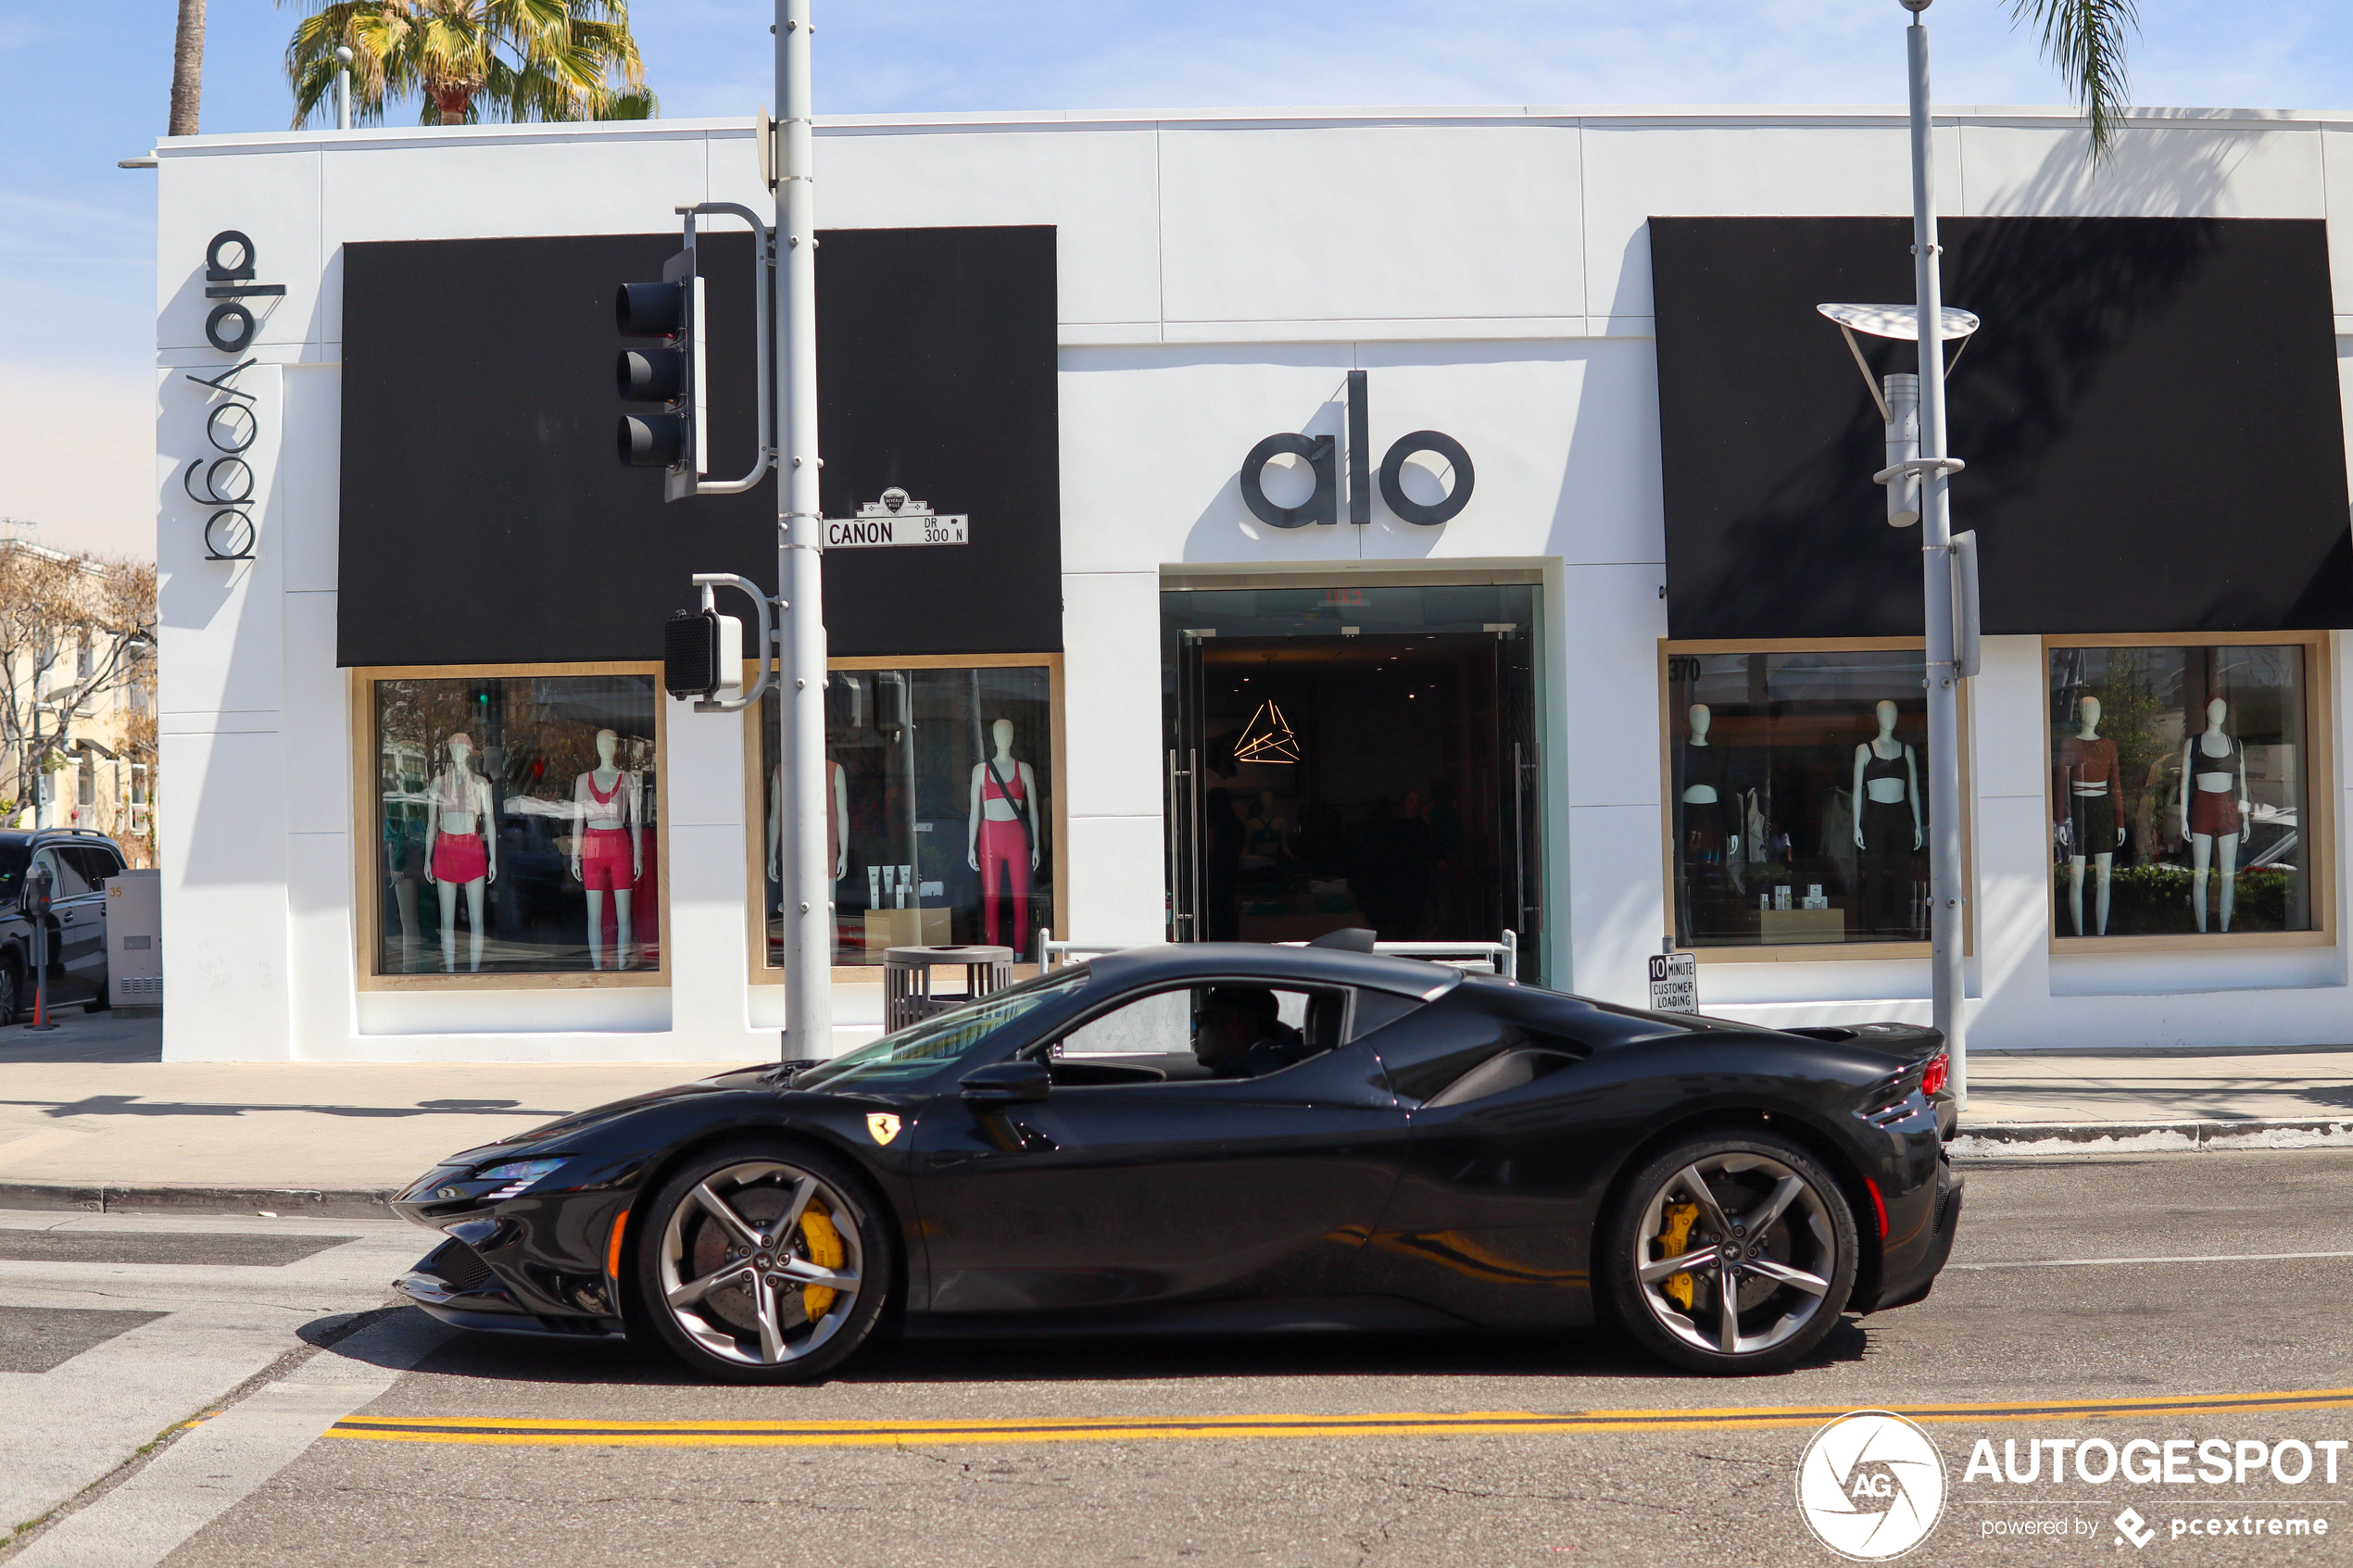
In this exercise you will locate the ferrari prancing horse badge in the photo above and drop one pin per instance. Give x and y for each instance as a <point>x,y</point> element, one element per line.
<point>883,1126</point>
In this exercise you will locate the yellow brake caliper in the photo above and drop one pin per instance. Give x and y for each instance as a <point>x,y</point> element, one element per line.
<point>1672,1243</point>
<point>826,1251</point>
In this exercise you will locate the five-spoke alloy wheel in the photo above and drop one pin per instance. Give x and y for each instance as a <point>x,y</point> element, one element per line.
<point>1730,1254</point>
<point>762,1263</point>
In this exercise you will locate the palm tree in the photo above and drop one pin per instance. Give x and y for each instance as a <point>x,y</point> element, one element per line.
<point>187,69</point>
<point>471,60</point>
<point>2085,38</point>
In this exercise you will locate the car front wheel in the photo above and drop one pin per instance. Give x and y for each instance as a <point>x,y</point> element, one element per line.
<point>762,1263</point>
<point>1730,1254</point>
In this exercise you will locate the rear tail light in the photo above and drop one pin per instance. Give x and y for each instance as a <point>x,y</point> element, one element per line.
<point>1932,1076</point>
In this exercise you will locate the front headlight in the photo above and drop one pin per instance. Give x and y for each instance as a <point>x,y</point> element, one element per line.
<point>512,1178</point>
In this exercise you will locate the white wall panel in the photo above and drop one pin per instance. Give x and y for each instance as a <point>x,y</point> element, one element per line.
<point>1118,881</point>
<point>1370,220</point>
<point>1616,900</point>
<point>1152,440</point>
<point>1608,663</point>
<point>316,717</point>
<point>221,641</point>
<point>224,896</point>
<point>1635,171</point>
<point>310,477</point>
<point>1111,693</point>
<point>1097,186</point>
<point>2237,168</point>
<point>271,195</point>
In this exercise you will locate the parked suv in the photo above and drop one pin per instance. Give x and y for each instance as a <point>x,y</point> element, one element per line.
<point>79,864</point>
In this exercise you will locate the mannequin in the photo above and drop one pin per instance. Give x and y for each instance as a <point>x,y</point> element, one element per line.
<point>465,851</point>
<point>1002,831</point>
<point>1887,813</point>
<point>2086,792</point>
<point>609,852</point>
<point>1709,834</point>
<point>837,820</point>
<point>2212,808</point>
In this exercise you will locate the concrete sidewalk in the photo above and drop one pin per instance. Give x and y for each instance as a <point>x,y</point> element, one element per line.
<point>91,1117</point>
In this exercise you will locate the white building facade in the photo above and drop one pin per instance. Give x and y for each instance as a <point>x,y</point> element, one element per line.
<point>1217,279</point>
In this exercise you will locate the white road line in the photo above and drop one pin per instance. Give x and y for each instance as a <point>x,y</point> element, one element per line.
<point>2098,1263</point>
<point>212,1468</point>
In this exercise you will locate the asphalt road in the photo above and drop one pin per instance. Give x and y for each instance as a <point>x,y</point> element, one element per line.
<point>2163,1298</point>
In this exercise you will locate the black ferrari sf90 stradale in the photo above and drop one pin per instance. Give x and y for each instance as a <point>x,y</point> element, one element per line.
<point>1221,1137</point>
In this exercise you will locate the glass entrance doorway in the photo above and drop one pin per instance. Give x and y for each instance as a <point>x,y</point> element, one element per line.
<point>1354,757</point>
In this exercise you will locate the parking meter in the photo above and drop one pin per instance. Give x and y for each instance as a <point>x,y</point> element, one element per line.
<point>38,896</point>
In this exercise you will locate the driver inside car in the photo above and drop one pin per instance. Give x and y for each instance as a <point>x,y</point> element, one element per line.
<point>1241,1033</point>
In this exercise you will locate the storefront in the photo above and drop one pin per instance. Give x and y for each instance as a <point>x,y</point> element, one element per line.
<point>1498,557</point>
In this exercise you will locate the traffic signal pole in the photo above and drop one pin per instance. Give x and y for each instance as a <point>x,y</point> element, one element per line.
<point>807,894</point>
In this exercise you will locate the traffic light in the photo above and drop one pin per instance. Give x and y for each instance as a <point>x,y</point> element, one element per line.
<point>670,375</point>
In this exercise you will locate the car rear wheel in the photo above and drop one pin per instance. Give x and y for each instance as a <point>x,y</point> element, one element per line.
<point>1730,1254</point>
<point>762,1262</point>
<point>11,991</point>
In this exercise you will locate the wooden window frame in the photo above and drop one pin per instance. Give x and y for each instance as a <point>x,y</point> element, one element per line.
<point>756,805</point>
<point>368,837</point>
<point>1801,952</point>
<point>2319,792</point>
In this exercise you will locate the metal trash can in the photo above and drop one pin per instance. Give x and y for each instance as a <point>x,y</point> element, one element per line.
<point>908,997</point>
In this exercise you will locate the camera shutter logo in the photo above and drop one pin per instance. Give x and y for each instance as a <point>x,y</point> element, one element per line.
<point>1871,1485</point>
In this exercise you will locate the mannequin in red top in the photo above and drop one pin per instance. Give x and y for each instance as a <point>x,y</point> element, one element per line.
<point>1003,831</point>
<point>609,852</point>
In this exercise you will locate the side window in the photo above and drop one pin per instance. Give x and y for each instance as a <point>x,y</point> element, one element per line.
<point>66,880</point>
<point>1229,1029</point>
<point>1377,1010</point>
<point>1160,1024</point>
<point>96,861</point>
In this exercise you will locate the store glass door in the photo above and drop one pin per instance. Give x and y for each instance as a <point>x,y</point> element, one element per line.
<point>1354,757</point>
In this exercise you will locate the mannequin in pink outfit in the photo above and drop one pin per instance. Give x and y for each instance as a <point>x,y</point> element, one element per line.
<point>465,849</point>
<point>609,852</point>
<point>1002,831</point>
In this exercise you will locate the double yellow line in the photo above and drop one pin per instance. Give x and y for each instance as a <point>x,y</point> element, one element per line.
<point>539,1432</point>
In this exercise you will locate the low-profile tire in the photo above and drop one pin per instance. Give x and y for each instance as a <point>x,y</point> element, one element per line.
<point>1753,1207</point>
<point>763,1261</point>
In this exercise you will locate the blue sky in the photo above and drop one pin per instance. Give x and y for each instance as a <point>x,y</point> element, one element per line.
<point>89,84</point>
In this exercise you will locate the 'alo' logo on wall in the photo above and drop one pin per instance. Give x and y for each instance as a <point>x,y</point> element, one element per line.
<point>1323,505</point>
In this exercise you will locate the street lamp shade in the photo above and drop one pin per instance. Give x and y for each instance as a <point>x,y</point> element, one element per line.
<point>1900,321</point>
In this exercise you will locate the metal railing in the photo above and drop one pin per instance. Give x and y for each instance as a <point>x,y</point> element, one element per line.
<point>1491,958</point>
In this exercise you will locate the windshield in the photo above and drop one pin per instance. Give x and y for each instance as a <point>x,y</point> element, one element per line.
<point>921,1049</point>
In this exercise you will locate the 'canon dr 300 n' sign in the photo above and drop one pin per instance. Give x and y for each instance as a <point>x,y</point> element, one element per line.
<point>1323,504</point>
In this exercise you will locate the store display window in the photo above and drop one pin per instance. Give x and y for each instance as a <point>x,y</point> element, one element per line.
<point>1797,784</point>
<point>517,822</point>
<point>939,809</point>
<point>2179,790</point>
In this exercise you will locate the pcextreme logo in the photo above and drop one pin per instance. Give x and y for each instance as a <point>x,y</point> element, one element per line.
<point>1871,1485</point>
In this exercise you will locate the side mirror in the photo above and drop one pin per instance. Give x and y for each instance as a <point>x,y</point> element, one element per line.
<point>1006,1083</point>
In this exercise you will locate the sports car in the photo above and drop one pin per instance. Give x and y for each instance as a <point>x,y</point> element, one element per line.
<point>1221,1137</point>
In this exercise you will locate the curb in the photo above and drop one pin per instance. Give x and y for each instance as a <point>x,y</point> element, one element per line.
<point>2153,1137</point>
<point>324,1203</point>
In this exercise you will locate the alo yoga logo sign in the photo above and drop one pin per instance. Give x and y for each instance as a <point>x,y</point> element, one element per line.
<point>1871,1485</point>
<point>1323,462</point>
<point>223,480</point>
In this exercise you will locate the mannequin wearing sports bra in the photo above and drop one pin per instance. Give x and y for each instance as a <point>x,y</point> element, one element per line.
<point>1887,823</point>
<point>1707,827</point>
<point>1002,831</point>
<point>2213,809</point>
<point>465,854</point>
<point>2085,789</point>
<point>609,852</point>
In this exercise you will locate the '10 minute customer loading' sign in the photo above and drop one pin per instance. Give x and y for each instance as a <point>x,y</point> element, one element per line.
<point>896,519</point>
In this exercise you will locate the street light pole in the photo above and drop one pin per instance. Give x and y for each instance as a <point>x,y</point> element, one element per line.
<point>1947,895</point>
<point>808,915</point>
